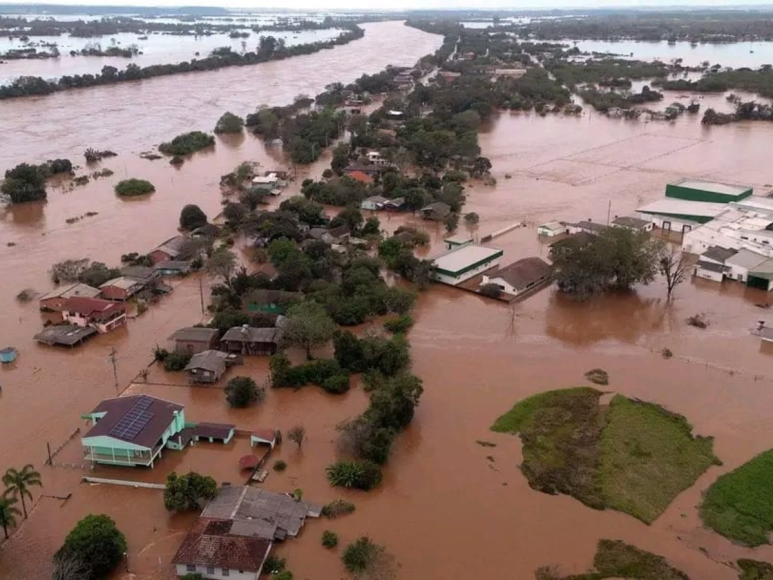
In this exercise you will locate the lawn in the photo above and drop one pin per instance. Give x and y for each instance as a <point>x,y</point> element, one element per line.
<point>631,456</point>
<point>739,505</point>
<point>649,456</point>
<point>616,559</point>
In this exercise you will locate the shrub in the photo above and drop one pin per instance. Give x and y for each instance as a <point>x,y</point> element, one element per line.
<point>97,542</point>
<point>284,575</point>
<point>399,323</point>
<point>490,291</point>
<point>242,392</point>
<point>329,539</point>
<point>229,123</point>
<point>133,187</point>
<point>280,465</point>
<point>698,321</point>
<point>337,384</point>
<point>176,361</point>
<point>472,218</point>
<point>597,376</point>
<point>177,160</point>
<point>338,508</point>
<point>187,143</point>
<point>364,475</point>
<point>24,183</point>
<point>274,565</point>
<point>360,555</point>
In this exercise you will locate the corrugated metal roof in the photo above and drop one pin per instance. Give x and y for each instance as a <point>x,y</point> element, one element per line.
<point>464,257</point>
<point>712,186</point>
<point>673,206</point>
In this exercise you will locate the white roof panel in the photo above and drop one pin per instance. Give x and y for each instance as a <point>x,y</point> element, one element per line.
<point>714,186</point>
<point>671,205</point>
<point>466,256</point>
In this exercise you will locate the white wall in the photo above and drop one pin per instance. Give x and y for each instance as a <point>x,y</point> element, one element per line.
<point>708,274</point>
<point>467,275</point>
<point>182,570</point>
<point>503,285</point>
<point>736,271</point>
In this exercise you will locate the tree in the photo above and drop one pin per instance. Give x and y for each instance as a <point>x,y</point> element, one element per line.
<point>675,269</point>
<point>8,513</point>
<point>451,221</point>
<point>350,216</point>
<point>24,183</point>
<point>186,492</point>
<point>133,187</point>
<point>97,542</point>
<point>472,218</point>
<point>340,158</point>
<point>363,555</point>
<point>364,475</point>
<point>308,326</point>
<point>480,166</point>
<point>19,482</point>
<point>372,227</point>
<point>229,123</point>
<point>241,392</point>
<point>68,270</point>
<point>297,435</point>
<point>70,568</point>
<point>221,264</point>
<point>192,217</point>
<point>97,274</point>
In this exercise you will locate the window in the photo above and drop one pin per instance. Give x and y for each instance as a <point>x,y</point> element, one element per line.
<point>190,568</point>
<point>210,569</point>
<point>226,572</point>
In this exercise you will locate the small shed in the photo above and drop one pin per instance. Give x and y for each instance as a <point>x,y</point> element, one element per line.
<point>373,203</point>
<point>194,339</point>
<point>214,432</point>
<point>395,204</point>
<point>264,437</point>
<point>457,241</point>
<point>710,270</point>
<point>206,367</point>
<point>551,229</point>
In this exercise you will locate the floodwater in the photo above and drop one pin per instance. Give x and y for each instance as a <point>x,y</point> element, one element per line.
<point>734,55</point>
<point>156,49</point>
<point>444,506</point>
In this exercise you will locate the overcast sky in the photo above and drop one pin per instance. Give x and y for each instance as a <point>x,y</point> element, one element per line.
<point>403,4</point>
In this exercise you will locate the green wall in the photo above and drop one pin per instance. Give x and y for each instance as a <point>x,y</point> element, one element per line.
<point>676,191</point>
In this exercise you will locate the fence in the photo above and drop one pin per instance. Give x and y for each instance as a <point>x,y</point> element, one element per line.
<point>122,482</point>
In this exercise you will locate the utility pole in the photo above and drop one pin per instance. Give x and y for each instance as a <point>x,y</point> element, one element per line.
<point>609,211</point>
<point>201,293</point>
<point>114,352</point>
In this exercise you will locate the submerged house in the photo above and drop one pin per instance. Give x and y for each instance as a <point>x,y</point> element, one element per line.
<point>131,431</point>
<point>206,367</point>
<point>194,339</point>
<point>121,289</point>
<point>171,249</point>
<point>249,340</point>
<point>435,211</point>
<point>101,315</point>
<point>464,262</point>
<point>520,277</point>
<point>54,300</point>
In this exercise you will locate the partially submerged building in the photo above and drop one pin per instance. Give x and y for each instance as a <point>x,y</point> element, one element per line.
<point>171,249</point>
<point>121,289</point>
<point>206,367</point>
<point>633,223</point>
<point>131,431</point>
<point>64,335</point>
<point>460,264</point>
<point>551,229</point>
<point>101,315</point>
<point>435,211</point>
<point>194,339</point>
<point>249,340</point>
<point>520,277</point>
<point>54,301</point>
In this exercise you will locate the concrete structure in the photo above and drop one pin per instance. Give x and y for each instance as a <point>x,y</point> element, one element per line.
<point>520,277</point>
<point>214,432</point>
<point>121,289</point>
<point>131,431</point>
<point>54,301</point>
<point>193,339</point>
<point>210,549</point>
<point>464,262</point>
<point>710,271</point>
<point>101,315</point>
<point>633,223</point>
<point>457,241</point>
<point>206,367</point>
<point>761,276</point>
<point>707,191</point>
<point>551,229</point>
<point>679,215</point>
<point>587,227</point>
<point>373,203</point>
<point>741,263</point>
<point>249,340</point>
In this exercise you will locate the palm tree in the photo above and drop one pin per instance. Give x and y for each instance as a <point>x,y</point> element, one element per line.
<point>18,483</point>
<point>8,513</point>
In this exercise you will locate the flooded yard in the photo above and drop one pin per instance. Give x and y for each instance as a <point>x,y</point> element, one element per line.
<point>444,506</point>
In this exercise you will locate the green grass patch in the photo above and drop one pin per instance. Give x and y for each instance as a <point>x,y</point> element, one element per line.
<point>739,505</point>
<point>755,570</point>
<point>649,456</point>
<point>632,456</point>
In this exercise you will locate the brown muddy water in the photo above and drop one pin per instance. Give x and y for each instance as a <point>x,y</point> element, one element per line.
<point>445,510</point>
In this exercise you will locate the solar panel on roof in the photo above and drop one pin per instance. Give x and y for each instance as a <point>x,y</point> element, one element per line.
<point>134,421</point>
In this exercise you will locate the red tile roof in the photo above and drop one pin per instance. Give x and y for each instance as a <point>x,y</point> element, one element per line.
<point>92,307</point>
<point>209,543</point>
<point>360,176</point>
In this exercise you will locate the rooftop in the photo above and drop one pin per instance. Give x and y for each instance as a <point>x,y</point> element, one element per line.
<point>672,206</point>
<point>71,291</point>
<point>124,283</point>
<point>92,306</point>
<point>194,334</point>
<point>360,176</point>
<point>713,186</point>
<point>712,267</point>
<point>376,199</point>
<point>210,543</point>
<point>746,259</point>
<point>553,226</point>
<point>209,360</point>
<point>140,419</point>
<point>719,254</point>
<point>630,222</point>
<point>214,430</point>
<point>172,246</point>
<point>458,239</point>
<point>465,256</point>
<point>65,335</point>
<point>252,334</point>
<point>763,270</point>
<point>524,272</point>
<point>140,272</point>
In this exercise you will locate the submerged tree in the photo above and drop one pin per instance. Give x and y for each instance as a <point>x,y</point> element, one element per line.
<point>674,268</point>
<point>8,513</point>
<point>18,483</point>
<point>96,541</point>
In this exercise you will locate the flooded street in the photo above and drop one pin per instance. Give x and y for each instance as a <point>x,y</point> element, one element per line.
<point>444,508</point>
